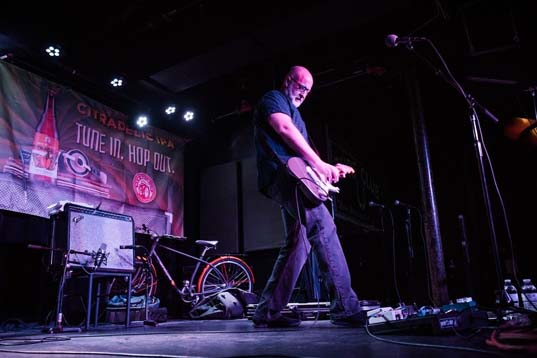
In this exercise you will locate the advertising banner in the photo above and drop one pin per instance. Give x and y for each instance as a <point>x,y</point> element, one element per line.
<point>57,145</point>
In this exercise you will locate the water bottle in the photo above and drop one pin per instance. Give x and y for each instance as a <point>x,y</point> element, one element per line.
<point>529,295</point>
<point>511,292</point>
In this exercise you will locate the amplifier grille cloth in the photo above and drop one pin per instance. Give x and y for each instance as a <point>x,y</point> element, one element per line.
<point>95,231</point>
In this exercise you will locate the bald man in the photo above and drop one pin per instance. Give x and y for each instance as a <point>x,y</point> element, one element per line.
<point>280,133</point>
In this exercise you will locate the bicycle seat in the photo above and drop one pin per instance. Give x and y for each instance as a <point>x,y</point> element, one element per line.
<point>207,243</point>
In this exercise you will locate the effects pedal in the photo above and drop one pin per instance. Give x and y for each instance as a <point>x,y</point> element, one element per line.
<point>384,314</point>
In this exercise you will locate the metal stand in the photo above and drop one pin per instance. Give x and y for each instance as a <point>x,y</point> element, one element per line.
<point>411,256</point>
<point>466,251</point>
<point>146,267</point>
<point>58,323</point>
<point>532,91</point>
<point>484,187</point>
<point>478,147</point>
<point>91,277</point>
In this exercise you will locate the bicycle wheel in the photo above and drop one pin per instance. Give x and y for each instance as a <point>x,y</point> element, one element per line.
<point>138,281</point>
<point>226,272</point>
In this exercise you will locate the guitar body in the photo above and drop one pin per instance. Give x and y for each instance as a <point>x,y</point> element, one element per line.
<point>314,188</point>
<point>522,129</point>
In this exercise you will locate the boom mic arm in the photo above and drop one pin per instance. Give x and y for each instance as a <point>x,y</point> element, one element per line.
<point>393,40</point>
<point>129,247</point>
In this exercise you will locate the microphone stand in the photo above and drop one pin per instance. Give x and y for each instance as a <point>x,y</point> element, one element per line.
<point>478,147</point>
<point>410,248</point>
<point>146,268</point>
<point>58,325</point>
<point>532,90</point>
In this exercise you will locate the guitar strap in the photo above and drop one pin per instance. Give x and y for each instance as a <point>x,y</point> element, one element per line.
<point>312,145</point>
<point>269,150</point>
<point>278,159</point>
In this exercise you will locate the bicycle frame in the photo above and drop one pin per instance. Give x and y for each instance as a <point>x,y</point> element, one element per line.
<point>199,260</point>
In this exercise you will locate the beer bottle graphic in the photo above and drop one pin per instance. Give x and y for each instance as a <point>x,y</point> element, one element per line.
<point>46,146</point>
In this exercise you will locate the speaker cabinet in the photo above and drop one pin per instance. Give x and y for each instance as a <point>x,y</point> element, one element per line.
<point>92,239</point>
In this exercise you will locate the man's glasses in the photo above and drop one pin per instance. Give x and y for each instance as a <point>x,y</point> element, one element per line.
<point>301,87</point>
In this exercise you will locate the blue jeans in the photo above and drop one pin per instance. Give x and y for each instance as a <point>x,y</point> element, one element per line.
<point>308,227</point>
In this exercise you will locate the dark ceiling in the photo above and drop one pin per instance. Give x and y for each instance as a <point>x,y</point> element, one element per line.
<point>212,55</point>
<point>204,52</point>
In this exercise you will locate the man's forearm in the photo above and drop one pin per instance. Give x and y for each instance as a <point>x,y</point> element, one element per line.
<point>296,141</point>
<point>290,134</point>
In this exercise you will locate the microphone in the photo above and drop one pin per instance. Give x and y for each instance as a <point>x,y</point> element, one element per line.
<point>398,203</point>
<point>393,40</point>
<point>39,247</point>
<point>372,204</point>
<point>129,247</point>
<point>100,256</point>
<point>80,252</point>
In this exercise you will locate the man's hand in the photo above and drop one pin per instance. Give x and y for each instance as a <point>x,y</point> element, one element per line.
<point>344,170</point>
<point>332,173</point>
<point>329,173</point>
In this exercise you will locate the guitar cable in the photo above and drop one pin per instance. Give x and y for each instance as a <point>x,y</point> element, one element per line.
<point>318,186</point>
<point>317,293</point>
<point>310,254</point>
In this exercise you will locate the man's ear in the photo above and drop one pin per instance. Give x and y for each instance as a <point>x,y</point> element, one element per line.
<point>287,81</point>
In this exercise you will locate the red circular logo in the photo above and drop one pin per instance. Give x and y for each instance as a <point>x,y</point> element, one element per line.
<point>144,187</point>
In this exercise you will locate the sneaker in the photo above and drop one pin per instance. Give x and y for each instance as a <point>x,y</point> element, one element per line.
<point>355,320</point>
<point>279,322</point>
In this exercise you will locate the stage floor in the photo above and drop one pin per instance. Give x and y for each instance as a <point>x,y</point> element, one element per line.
<point>237,338</point>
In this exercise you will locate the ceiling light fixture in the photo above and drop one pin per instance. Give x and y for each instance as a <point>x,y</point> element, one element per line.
<point>142,121</point>
<point>188,116</point>
<point>117,82</point>
<point>53,51</point>
<point>170,110</point>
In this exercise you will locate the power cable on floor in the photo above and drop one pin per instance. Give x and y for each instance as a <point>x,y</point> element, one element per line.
<point>114,354</point>
<point>427,345</point>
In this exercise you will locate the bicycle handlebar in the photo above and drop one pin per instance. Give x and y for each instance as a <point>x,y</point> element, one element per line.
<point>145,230</point>
<point>173,237</point>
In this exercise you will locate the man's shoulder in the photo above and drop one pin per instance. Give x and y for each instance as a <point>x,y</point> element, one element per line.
<point>273,95</point>
<point>274,101</point>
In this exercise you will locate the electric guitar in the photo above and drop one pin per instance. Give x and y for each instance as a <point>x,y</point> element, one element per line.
<point>313,185</point>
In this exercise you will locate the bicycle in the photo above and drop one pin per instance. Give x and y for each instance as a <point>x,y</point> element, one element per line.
<point>218,274</point>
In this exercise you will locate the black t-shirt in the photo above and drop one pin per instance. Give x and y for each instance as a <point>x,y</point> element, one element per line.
<point>272,151</point>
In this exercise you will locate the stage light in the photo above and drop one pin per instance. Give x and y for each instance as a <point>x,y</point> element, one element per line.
<point>188,116</point>
<point>53,51</point>
<point>117,82</point>
<point>142,121</point>
<point>170,110</point>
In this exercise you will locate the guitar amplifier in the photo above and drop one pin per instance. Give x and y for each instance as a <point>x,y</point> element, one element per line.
<point>91,238</point>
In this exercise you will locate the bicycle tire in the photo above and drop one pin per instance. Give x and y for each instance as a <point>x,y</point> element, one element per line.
<point>119,287</point>
<point>235,273</point>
